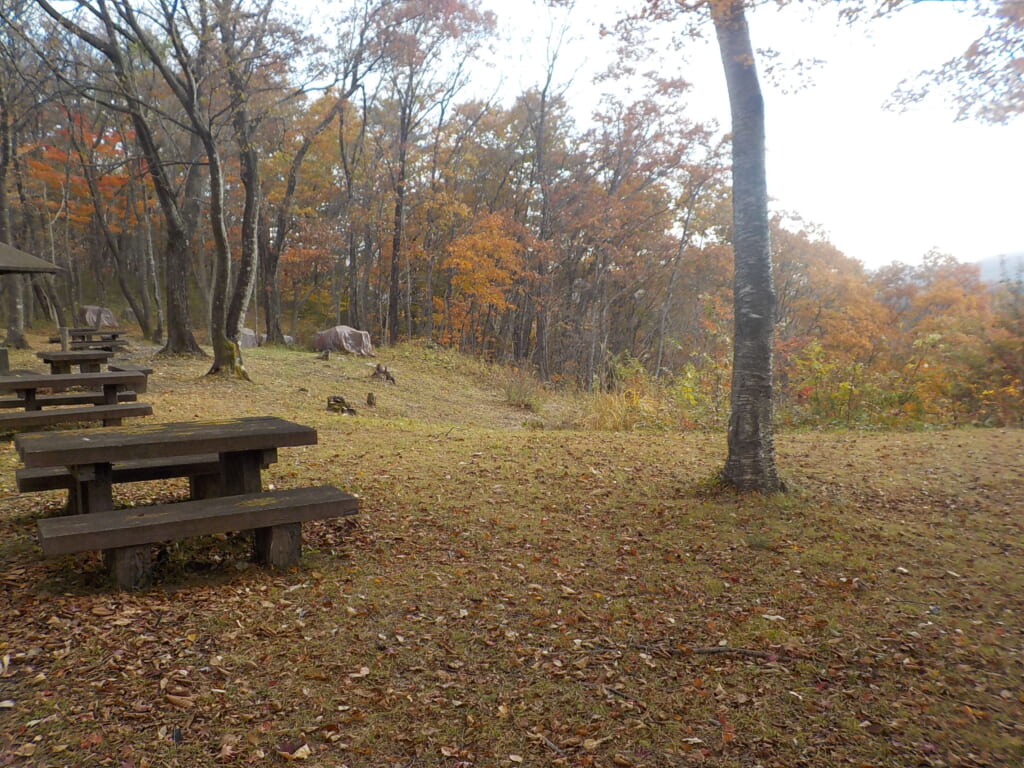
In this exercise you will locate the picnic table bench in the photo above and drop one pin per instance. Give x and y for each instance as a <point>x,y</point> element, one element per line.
<point>108,397</point>
<point>95,459</point>
<point>87,360</point>
<point>129,367</point>
<point>202,470</point>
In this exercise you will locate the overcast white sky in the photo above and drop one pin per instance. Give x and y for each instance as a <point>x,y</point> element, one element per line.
<point>884,186</point>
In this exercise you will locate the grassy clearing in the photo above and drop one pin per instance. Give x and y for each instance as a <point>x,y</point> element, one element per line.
<point>513,593</point>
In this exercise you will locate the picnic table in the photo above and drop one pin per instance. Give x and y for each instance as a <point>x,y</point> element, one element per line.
<point>107,397</point>
<point>243,447</point>
<point>72,339</point>
<point>87,360</point>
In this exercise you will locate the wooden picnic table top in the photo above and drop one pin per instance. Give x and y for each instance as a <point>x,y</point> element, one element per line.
<point>75,356</point>
<point>78,447</point>
<point>62,381</point>
<point>90,335</point>
<point>94,331</point>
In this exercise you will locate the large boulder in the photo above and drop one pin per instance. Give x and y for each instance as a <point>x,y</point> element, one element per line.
<point>247,338</point>
<point>289,341</point>
<point>342,338</point>
<point>96,317</point>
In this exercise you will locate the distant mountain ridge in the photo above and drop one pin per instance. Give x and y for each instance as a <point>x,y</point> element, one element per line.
<point>995,268</point>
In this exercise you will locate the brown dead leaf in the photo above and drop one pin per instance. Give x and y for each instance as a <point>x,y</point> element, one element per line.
<point>228,747</point>
<point>184,702</point>
<point>294,750</point>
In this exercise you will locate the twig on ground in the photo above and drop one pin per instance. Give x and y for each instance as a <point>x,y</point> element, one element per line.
<point>624,695</point>
<point>549,743</point>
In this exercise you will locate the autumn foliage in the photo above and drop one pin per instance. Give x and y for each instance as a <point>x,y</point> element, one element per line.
<point>594,253</point>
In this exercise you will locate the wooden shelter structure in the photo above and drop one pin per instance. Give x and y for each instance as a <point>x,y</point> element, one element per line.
<point>14,261</point>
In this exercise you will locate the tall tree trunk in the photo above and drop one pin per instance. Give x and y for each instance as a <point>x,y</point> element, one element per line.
<point>227,356</point>
<point>269,257</point>
<point>397,237</point>
<point>750,465</point>
<point>249,164</point>
<point>181,223</point>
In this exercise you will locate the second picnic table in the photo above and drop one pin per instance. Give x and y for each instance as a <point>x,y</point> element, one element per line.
<point>89,338</point>
<point>87,360</point>
<point>105,398</point>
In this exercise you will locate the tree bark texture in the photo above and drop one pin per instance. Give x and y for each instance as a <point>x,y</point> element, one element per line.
<point>750,465</point>
<point>394,282</point>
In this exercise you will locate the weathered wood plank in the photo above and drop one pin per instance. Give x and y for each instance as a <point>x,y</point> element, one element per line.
<point>168,522</point>
<point>134,380</point>
<point>116,367</point>
<point>158,440</point>
<point>78,398</point>
<point>108,414</point>
<point>31,479</point>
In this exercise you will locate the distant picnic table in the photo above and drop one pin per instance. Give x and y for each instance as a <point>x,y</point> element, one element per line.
<point>93,460</point>
<point>43,398</point>
<point>87,360</point>
<point>72,339</point>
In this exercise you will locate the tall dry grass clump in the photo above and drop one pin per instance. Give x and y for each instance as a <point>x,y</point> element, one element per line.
<point>522,390</point>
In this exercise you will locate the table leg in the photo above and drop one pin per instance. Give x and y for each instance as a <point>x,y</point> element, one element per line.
<point>110,394</point>
<point>92,488</point>
<point>130,567</point>
<point>240,472</point>
<point>29,396</point>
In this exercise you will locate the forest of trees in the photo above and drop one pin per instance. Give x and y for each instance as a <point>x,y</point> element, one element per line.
<point>209,165</point>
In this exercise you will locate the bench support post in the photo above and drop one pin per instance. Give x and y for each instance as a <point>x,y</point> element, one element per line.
<point>279,546</point>
<point>131,567</point>
<point>205,486</point>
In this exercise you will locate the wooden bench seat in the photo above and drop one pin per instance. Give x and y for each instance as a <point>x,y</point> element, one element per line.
<point>31,479</point>
<point>108,414</point>
<point>126,534</point>
<point>114,345</point>
<point>74,398</point>
<point>121,367</point>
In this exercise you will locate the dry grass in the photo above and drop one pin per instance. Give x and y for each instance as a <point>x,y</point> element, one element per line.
<point>514,596</point>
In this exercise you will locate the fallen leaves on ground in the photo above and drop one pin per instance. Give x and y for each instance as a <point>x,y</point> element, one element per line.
<point>535,597</point>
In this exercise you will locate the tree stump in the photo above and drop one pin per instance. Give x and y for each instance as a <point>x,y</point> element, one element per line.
<point>381,373</point>
<point>338,404</point>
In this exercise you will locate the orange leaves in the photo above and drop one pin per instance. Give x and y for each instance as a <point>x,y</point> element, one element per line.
<point>485,261</point>
<point>483,264</point>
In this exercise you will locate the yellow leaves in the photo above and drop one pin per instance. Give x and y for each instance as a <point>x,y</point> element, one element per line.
<point>26,750</point>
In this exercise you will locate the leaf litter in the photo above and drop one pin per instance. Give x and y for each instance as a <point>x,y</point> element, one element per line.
<point>515,596</point>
